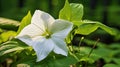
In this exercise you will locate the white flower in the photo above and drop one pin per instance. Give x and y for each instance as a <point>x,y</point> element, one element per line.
<point>45,34</point>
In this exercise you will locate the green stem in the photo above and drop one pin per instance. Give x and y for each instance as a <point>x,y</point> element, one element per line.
<point>80,42</point>
<point>91,51</point>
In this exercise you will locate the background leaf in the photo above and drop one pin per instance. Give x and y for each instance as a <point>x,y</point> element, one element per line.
<point>8,24</point>
<point>12,46</point>
<point>25,21</point>
<point>58,61</point>
<point>7,35</point>
<point>65,12</point>
<point>72,12</point>
<point>111,65</point>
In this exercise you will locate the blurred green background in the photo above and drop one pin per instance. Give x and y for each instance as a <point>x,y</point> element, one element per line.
<point>105,11</point>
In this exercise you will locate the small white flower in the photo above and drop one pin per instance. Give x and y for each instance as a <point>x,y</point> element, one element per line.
<point>45,34</point>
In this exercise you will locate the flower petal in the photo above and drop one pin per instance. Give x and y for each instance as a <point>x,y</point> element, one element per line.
<point>60,47</point>
<point>42,19</point>
<point>61,28</point>
<point>43,48</point>
<point>29,32</point>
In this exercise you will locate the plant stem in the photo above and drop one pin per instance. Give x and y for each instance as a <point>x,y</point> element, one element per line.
<point>92,50</point>
<point>80,42</point>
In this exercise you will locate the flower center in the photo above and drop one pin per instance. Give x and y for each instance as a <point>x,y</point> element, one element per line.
<point>46,34</point>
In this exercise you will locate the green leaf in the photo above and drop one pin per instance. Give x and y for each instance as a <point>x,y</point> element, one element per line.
<point>90,60</point>
<point>1,30</point>
<point>76,12</point>
<point>111,65</point>
<point>116,60</point>
<point>104,53</point>
<point>25,21</point>
<point>69,38</point>
<point>65,12</point>
<point>8,24</point>
<point>88,27</point>
<point>72,12</point>
<point>115,46</point>
<point>7,35</point>
<point>26,61</point>
<point>50,61</point>
<point>58,61</point>
<point>12,46</point>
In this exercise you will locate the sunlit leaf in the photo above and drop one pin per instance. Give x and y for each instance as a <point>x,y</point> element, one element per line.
<point>86,29</point>
<point>25,21</point>
<point>1,30</point>
<point>7,35</point>
<point>90,26</point>
<point>72,12</point>
<point>65,12</point>
<point>76,12</point>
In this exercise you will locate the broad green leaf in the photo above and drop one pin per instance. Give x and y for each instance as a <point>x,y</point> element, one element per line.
<point>58,61</point>
<point>76,12</point>
<point>111,65</point>
<point>104,53</point>
<point>65,61</point>
<point>65,12</point>
<point>88,27</point>
<point>7,35</point>
<point>115,46</point>
<point>107,29</point>
<point>116,60</point>
<point>72,12</point>
<point>11,46</point>
<point>25,21</point>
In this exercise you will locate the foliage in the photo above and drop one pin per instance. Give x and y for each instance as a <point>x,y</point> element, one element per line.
<point>25,21</point>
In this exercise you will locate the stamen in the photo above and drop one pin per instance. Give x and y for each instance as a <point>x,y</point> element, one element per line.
<point>48,36</point>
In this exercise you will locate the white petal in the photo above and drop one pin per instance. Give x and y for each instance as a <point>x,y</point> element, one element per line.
<point>30,41</point>
<point>29,32</point>
<point>60,47</point>
<point>43,48</point>
<point>61,28</point>
<point>42,19</point>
